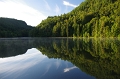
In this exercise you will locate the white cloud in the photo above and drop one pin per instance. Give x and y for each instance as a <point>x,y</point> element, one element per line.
<point>57,64</point>
<point>68,69</point>
<point>47,5</point>
<point>32,54</point>
<point>18,65</point>
<point>69,4</point>
<point>57,10</point>
<point>47,69</point>
<point>19,10</point>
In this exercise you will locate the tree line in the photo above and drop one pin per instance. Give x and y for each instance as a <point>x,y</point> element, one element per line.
<point>14,28</point>
<point>92,18</point>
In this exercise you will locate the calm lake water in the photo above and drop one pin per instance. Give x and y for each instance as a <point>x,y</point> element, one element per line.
<point>59,58</point>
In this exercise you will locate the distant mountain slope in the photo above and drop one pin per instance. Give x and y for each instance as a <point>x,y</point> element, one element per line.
<point>92,18</point>
<point>13,28</point>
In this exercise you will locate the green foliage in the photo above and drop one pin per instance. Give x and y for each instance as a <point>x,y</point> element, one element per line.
<point>92,18</point>
<point>13,28</point>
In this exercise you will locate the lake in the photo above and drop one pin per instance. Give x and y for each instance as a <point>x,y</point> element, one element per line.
<point>59,58</point>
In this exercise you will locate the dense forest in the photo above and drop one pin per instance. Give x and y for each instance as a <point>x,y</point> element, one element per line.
<point>14,28</point>
<point>92,18</point>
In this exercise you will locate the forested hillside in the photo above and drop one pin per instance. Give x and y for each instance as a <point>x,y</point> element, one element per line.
<point>92,18</point>
<point>13,28</point>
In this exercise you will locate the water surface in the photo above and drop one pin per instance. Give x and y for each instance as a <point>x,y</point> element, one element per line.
<point>59,58</point>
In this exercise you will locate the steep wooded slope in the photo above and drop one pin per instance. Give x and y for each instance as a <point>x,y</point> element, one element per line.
<point>92,18</point>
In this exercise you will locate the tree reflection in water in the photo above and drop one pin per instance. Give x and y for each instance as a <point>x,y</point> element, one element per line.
<point>97,57</point>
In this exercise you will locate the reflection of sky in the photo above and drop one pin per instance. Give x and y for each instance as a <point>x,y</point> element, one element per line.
<point>68,69</point>
<point>34,65</point>
<point>20,63</point>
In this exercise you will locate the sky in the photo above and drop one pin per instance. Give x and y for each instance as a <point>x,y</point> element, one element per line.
<point>34,11</point>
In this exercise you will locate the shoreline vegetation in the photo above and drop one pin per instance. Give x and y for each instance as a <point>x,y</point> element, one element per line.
<point>92,18</point>
<point>22,38</point>
<point>7,38</point>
